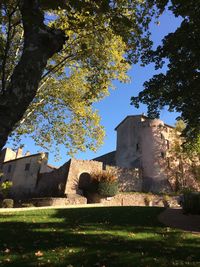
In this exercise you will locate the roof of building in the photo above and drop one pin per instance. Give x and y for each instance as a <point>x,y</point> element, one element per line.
<point>51,166</point>
<point>139,115</point>
<point>33,155</point>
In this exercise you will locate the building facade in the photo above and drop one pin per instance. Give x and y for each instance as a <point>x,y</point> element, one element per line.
<point>22,170</point>
<point>147,144</point>
<point>143,158</point>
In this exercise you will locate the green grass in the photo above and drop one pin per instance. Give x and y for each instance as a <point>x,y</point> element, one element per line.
<point>102,236</point>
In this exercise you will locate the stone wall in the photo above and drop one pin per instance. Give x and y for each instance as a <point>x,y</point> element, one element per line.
<point>129,179</point>
<point>142,143</point>
<point>53,201</point>
<point>122,199</point>
<point>7,154</point>
<point>78,167</point>
<point>107,159</point>
<point>128,138</point>
<point>140,199</point>
<point>53,183</point>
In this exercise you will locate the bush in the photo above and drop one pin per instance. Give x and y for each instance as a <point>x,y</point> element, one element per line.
<point>5,188</point>
<point>103,183</point>
<point>109,175</point>
<point>191,202</point>
<point>107,189</point>
<point>7,203</point>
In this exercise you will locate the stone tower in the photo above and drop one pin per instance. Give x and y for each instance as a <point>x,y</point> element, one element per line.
<point>143,143</point>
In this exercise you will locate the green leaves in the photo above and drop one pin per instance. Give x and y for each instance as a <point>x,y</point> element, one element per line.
<point>104,39</point>
<point>178,88</point>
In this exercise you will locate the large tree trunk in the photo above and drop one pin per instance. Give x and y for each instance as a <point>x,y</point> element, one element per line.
<point>40,43</point>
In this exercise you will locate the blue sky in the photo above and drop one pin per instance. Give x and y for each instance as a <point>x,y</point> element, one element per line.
<point>116,107</point>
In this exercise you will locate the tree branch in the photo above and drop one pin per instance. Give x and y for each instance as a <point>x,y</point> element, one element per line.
<point>6,54</point>
<point>40,43</point>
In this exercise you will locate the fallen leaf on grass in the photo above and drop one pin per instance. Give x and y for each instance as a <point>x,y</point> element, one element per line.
<point>131,234</point>
<point>7,260</point>
<point>38,253</point>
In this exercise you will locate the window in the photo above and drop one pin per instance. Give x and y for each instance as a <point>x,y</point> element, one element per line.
<point>9,168</point>
<point>104,166</point>
<point>27,166</point>
<point>161,136</point>
<point>162,154</point>
<point>137,147</point>
<point>168,162</point>
<point>167,144</point>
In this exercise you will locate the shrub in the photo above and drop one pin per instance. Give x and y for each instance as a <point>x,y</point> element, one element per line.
<point>7,203</point>
<point>5,188</point>
<point>109,175</point>
<point>107,189</point>
<point>103,183</point>
<point>191,202</point>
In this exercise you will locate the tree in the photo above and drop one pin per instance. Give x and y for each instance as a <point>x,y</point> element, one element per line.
<point>183,157</point>
<point>58,57</point>
<point>178,88</point>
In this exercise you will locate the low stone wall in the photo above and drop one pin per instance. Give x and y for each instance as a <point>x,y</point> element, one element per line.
<point>51,201</point>
<point>141,199</point>
<point>121,199</point>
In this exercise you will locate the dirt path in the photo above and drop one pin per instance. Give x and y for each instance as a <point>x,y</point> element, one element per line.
<point>174,217</point>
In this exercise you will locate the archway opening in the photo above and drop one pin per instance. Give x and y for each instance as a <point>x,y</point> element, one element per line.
<point>84,181</point>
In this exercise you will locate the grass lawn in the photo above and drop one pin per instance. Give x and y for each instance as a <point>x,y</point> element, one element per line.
<point>100,236</point>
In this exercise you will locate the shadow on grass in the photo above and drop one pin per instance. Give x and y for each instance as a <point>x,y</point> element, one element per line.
<point>114,236</point>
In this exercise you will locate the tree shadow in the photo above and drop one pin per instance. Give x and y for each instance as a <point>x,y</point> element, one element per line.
<point>115,236</point>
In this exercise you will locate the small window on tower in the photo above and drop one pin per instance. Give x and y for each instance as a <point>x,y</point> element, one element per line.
<point>162,154</point>
<point>167,143</point>
<point>104,166</point>
<point>27,166</point>
<point>137,147</point>
<point>168,162</point>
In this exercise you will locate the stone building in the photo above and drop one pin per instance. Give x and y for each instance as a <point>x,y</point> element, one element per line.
<point>146,144</point>
<point>22,170</point>
<point>142,159</point>
<point>143,143</point>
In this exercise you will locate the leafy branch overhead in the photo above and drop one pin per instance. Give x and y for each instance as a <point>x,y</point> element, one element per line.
<point>57,58</point>
<point>178,88</point>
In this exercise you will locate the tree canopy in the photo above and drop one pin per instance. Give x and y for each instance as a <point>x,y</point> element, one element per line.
<point>179,87</point>
<point>59,57</point>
